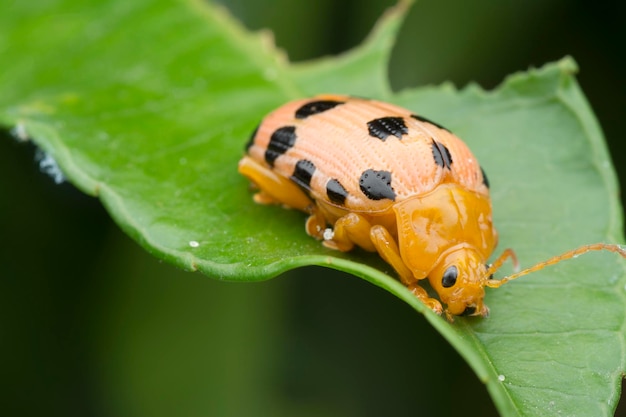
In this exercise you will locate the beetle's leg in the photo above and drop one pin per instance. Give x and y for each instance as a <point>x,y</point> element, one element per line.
<point>388,250</point>
<point>274,188</point>
<point>316,223</point>
<point>349,230</point>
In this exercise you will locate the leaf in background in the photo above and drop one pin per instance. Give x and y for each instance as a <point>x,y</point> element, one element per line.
<point>148,104</point>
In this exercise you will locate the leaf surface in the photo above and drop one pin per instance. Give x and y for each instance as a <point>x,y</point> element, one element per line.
<point>148,105</point>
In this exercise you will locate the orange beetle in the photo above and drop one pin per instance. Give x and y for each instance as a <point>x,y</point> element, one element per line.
<point>388,181</point>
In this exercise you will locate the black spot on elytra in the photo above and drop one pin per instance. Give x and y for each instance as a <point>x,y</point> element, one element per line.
<point>485,179</point>
<point>386,126</point>
<point>423,119</point>
<point>280,142</point>
<point>303,173</point>
<point>335,192</point>
<point>441,154</point>
<point>376,185</point>
<point>252,136</point>
<point>315,107</point>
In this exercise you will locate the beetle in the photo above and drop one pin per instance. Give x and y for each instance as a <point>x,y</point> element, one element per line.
<point>374,175</point>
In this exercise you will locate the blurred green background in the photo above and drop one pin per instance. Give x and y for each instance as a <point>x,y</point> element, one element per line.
<point>91,325</point>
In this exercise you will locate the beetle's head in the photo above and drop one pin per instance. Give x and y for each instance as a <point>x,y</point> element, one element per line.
<point>459,278</point>
<point>460,275</point>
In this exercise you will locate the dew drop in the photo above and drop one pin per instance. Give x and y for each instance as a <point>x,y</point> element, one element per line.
<point>48,165</point>
<point>19,132</point>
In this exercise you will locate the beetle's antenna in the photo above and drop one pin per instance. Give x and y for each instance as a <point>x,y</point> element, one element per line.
<point>495,283</point>
<point>508,253</point>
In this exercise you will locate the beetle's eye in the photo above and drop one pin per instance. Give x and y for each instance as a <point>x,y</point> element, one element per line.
<point>489,266</point>
<point>449,277</point>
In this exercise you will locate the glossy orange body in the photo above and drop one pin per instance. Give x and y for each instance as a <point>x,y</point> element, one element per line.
<point>386,180</point>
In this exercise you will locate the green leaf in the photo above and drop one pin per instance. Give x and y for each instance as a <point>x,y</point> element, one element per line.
<point>147,105</point>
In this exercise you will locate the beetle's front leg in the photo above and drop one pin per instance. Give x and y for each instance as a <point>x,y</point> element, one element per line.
<point>354,229</point>
<point>388,250</point>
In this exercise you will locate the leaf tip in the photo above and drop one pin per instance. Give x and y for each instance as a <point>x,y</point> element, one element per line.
<point>392,17</point>
<point>268,43</point>
<point>568,65</point>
